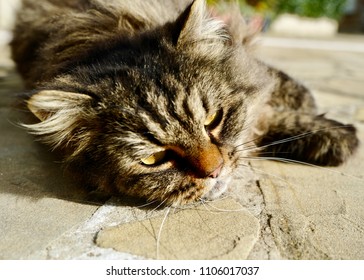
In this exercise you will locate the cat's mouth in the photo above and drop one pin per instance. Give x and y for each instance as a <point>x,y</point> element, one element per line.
<point>217,190</point>
<point>207,190</point>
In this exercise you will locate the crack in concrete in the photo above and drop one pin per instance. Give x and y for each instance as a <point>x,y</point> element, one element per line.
<point>266,247</point>
<point>229,250</point>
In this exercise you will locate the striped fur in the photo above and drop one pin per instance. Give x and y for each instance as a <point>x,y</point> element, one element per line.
<point>117,82</point>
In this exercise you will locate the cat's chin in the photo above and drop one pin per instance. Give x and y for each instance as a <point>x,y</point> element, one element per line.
<point>217,190</point>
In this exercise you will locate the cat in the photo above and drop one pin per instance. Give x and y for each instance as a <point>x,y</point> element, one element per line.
<point>161,100</point>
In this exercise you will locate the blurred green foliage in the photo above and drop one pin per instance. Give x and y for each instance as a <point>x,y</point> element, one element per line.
<point>307,8</point>
<point>312,8</point>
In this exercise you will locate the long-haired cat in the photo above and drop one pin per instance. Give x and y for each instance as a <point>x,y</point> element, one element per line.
<point>158,99</point>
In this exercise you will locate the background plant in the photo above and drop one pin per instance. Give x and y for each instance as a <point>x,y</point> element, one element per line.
<point>307,8</point>
<point>312,8</point>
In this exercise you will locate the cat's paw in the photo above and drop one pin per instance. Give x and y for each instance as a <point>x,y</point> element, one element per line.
<point>334,144</point>
<point>308,139</point>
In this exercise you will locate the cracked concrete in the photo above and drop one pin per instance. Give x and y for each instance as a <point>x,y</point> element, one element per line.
<point>309,216</point>
<point>219,230</point>
<point>265,248</point>
<point>279,211</point>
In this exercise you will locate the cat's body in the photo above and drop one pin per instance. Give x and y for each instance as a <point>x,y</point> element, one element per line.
<point>155,99</point>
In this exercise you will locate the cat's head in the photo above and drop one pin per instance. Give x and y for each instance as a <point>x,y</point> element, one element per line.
<point>165,116</point>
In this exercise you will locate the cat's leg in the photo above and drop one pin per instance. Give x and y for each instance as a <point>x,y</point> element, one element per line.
<point>289,127</point>
<point>306,137</point>
<point>288,94</point>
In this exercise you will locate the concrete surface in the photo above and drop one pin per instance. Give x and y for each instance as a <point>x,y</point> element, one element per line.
<point>222,229</point>
<point>287,212</point>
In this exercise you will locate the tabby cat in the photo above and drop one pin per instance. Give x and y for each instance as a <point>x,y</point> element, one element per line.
<point>159,99</point>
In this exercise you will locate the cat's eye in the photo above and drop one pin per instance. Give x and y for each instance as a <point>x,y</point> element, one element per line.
<point>154,158</point>
<point>213,120</point>
<point>210,119</point>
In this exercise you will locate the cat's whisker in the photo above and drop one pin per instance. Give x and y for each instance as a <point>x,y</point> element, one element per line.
<point>223,197</point>
<point>260,171</point>
<point>160,231</point>
<point>152,211</point>
<point>252,142</point>
<point>207,203</point>
<point>285,160</point>
<point>209,206</point>
<point>204,203</point>
<point>226,210</point>
<point>189,205</point>
<point>272,153</point>
<point>289,139</point>
<point>271,175</point>
<point>148,204</point>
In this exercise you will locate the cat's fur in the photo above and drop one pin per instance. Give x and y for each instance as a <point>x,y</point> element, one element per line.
<point>118,81</point>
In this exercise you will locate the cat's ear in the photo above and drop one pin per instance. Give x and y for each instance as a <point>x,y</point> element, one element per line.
<point>195,29</point>
<point>45,104</point>
<point>63,116</point>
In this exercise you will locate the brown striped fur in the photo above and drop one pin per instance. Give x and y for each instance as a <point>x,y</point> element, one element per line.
<point>160,100</point>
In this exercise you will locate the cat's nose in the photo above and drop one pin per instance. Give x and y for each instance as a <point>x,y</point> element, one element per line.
<point>207,161</point>
<point>216,172</point>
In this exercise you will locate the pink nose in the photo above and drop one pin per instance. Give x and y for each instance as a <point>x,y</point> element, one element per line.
<point>205,161</point>
<point>216,173</point>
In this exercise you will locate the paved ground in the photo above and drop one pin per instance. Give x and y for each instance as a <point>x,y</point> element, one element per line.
<point>287,212</point>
